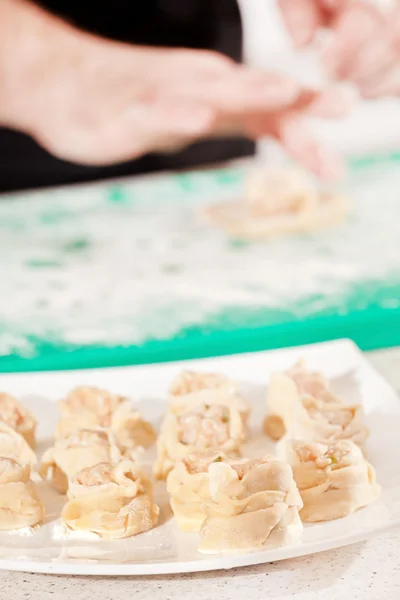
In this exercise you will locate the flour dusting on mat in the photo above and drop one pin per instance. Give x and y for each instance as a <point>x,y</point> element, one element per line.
<point>122,264</point>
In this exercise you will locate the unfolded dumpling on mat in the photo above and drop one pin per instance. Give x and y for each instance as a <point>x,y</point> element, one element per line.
<point>277,202</point>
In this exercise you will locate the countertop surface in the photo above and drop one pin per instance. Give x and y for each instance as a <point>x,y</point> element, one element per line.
<point>365,571</point>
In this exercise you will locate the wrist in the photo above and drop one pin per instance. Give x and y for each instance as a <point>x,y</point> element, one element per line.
<point>29,39</point>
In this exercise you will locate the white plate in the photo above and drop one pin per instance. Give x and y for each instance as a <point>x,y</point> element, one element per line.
<point>165,549</point>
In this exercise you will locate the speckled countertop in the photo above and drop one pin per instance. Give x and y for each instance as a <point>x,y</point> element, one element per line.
<point>365,571</point>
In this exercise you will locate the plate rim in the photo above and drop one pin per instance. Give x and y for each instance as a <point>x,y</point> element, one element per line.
<point>203,563</point>
<point>222,563</point>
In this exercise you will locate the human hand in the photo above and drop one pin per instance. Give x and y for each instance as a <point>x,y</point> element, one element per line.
<point>365,50</point>
<point>291,128</point>
<point>304,18</point>
<point>94,101</point>
<point>365,43</point>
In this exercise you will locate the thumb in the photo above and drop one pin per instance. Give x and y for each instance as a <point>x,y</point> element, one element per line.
<point>302,19</point>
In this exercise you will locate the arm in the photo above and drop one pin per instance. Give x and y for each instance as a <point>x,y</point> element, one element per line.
<point>94,101</point>
<point>26,33</point>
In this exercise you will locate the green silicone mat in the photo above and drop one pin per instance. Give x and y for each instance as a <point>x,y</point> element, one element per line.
<point>125,272</point>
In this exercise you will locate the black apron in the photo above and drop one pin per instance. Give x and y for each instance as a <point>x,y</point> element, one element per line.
<point>208,24</point>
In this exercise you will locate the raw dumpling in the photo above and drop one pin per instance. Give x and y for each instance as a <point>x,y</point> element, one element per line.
<point>271,192</point>
<point>285,409</point>
<point>311,383</point>
<point>88,408</point>
<point>304,417</point>
<point>194,381</point>
<point>188,486</point>
<point>191,388</point>
<point>13,445</point>
<point>275,203</point>
<point>335,421</point>
<point>197,428</point>
<point>131,430</point>
<point>20,505</point>
<point>235,504</point>
<point>333,479</point>
<point>19,418</point>
<point>254,504</point>
<point>113,501</point>
<point>81,449</point>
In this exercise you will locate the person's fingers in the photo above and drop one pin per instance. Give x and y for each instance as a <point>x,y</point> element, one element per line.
<point>332,8</point>
<point>302,19</point>
<point>394,26</point>
<point>380,56</point>
<point>206,61</point>
<point>371,58</point>
<point>330,103</point>
<point>239,91</point>
<point>384,83</point>
<point>379,62</point>
<point>299,142</point>
<point>358,24</point>
<point>174,65</point>
<point>278,94</point>
<point>291,130</point>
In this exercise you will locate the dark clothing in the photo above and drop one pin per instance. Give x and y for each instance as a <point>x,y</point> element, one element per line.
<point>208,24</point>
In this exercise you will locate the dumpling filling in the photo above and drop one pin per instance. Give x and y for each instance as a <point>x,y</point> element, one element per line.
<point>334,479</point>
<point>81,449</point>
<point>200,427</point>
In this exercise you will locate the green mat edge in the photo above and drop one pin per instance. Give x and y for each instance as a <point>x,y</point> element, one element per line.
<point>370,329</point>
